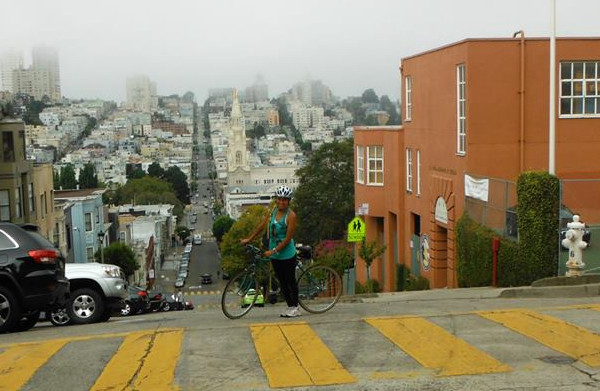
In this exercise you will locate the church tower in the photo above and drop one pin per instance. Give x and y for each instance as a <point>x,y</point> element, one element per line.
<point>237,155</point>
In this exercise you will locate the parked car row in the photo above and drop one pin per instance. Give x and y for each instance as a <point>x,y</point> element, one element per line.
<point>184,267</point>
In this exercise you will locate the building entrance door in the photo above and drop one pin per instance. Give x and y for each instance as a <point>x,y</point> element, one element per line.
<point>440,255</point>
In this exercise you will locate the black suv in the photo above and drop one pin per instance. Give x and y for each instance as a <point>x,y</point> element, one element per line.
<point>32,277</point>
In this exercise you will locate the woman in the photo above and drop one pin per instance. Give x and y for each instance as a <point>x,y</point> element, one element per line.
<point>281,223</point>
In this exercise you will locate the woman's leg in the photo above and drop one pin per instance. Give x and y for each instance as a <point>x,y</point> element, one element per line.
<point>289,270</point>
<point>282,276</point>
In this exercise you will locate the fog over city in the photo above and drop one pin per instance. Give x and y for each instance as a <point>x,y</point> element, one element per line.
<point>197,45</point>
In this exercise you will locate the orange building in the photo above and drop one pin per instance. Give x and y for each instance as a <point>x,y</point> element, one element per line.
<point>476,109</point>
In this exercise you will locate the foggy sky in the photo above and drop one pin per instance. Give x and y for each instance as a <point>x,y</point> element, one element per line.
<point>200,44</point>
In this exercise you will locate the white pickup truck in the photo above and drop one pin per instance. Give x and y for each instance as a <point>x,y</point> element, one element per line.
<point>97,290</point>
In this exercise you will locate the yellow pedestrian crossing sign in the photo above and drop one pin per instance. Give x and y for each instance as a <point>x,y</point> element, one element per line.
<point>357,230</point>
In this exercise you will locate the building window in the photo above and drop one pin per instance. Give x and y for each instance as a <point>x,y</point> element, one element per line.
<point>461,106</point>
<point>408,98</point>
<point>43,204</point>
<point>4,205</point>
<point>418,172</point>
<point>580,89</point>
<point>8,147</point>
<point>88,222</point>
<point>31,196</point>
<point>409,170</point>
<point>360,164</point>
<point>18,204</point>
<point>375,165</point>
<point>122,236</point>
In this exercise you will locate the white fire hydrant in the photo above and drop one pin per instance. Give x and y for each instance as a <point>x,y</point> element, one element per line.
<point>574,242</point>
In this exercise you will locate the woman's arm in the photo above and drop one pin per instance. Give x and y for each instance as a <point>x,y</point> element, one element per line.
<point>258,230</point>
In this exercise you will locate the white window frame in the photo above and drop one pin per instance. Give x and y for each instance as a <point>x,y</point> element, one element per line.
<point>89,254</point>
<point>409,170</point>
<point>579,93</point>
<point>418,172</point>
<point>89,222</point>
<point>408,98</point>
<point>461,110</point>
<point>31,196</point>
<point>360,164</point>
<point>375,156</point>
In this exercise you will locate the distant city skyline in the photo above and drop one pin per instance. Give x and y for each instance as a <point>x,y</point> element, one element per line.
<point>194,46</point>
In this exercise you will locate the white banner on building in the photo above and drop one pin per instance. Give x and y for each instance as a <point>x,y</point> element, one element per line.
<point>477,188</point>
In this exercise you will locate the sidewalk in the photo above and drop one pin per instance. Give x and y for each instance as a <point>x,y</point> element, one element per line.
<point>554,287</point>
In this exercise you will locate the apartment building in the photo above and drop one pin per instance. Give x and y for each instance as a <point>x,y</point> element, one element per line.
<point>26,190</point>
<point>475,111</point>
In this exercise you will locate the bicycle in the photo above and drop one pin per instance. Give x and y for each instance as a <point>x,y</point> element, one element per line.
<point>319,286</point>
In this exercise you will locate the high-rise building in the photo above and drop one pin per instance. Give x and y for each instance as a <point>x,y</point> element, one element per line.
<point>34,82</point>
<point>45,58</point>
<point>141,94</point>
<point>10,60</point>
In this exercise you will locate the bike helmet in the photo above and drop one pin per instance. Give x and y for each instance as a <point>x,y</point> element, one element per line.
<point>284,192</point>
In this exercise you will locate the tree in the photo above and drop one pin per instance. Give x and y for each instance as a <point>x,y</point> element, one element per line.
<point>391,108</point>
<point>67,177</point>
<point>87,177</point>
<point>155,170</point>
<point>368,251</point>
<point>233,255</point>
<point>137,174</point>
<point>324,200</point>
<point>56,177</point>
<point>183,233</point>
<point>369,96</point>
<point>221,226</point>
<point>147,191</point>
<point>120,254</point>
<point>178,180</point>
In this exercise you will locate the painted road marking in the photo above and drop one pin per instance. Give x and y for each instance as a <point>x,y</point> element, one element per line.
<point>20,362</point>
<point>293,355</point>
<point>145,360</point>
<point>567,338</point>
<point>435,348</point>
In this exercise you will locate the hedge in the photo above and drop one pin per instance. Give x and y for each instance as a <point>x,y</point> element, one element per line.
<point>533,257</point>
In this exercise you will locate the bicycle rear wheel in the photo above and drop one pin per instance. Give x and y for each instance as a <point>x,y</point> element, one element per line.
<point>239,295</point>
<point>319,288</point>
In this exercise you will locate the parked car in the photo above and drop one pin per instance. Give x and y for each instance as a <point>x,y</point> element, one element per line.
<point>97,290</point>
<point>137,302</point>
<point>32,277</point>
<point>180,282</point>
<point>247,299</point>
<point>206,278</point>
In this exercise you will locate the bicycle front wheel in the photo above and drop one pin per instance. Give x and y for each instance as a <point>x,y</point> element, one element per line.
<point>239,295</point>
<point>319,288</point>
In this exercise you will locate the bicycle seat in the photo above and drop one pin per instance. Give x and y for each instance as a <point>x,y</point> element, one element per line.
<point>304,252</point>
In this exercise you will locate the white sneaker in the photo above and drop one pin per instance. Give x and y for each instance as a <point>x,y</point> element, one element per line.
<point>285,313</point>
<point>294,312</point>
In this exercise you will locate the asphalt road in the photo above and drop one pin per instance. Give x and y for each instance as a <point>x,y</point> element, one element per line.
<point>440,340</point>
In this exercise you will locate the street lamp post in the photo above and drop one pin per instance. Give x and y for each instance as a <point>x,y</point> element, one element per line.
<point>101,240</point>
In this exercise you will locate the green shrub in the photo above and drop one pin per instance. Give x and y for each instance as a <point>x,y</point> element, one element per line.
<point>537,211</point>
<point>417,283</point>
<point>371,286</point>
<point>533,257</point>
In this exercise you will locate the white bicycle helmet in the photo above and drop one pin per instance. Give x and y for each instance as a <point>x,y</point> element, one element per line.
<point>284,192</point>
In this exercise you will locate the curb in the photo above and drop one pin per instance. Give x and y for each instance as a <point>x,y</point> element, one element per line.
<point>585,290</point>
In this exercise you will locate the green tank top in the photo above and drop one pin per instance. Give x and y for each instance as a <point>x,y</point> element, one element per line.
<point>277,234</point>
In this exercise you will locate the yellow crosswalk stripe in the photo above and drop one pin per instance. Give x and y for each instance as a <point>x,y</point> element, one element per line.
<point>145,361</point>
<point>435,348</point>
<point>20,362</point>
<point>292,355</point>
<point>567,338</point>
